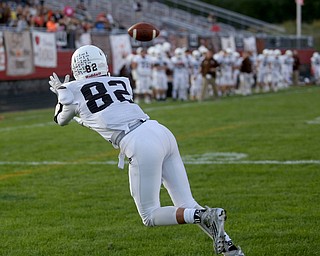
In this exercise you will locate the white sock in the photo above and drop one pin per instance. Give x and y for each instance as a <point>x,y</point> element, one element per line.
<point>188,215</point>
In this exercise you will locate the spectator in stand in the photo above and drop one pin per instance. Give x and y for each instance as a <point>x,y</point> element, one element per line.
<point>73,28</point>
<point>13,20</point>
<point>110,20</point>
<point>102,23</point>
<point>5,13</point>
<point>81,12</point>
<point>22,23</point>
<point>211,18</point>
<point>38,20</point>
<point>296,67</point>
<point>52,25</point>
<point>35,14</point>
<point>137,7</point>
<point>214,27</point>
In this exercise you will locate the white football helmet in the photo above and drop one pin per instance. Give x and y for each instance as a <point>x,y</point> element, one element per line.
<point>229,51</point>
<point>202,49</point>
<point>151,50</point>
<point>166,46</point>
<point>277,52</point>
<point>158,53</point>
<point>88,61</point>
<point>178,52</point>
<point>266,52</point>
<point>288,52</point>
<point>196,54</point>
<point>236,54</point>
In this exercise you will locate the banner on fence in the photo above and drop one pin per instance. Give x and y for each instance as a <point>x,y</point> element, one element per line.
<point>228,43</point>
<point>2,53</point>
<point>19,53</point>
<point>250,45</point>
<point>120,48</point>
<point>44,49</point>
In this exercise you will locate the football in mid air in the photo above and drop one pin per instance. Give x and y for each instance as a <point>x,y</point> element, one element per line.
<point>143,31</point>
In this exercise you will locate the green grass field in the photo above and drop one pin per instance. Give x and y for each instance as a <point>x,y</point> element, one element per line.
<point>258,157</point>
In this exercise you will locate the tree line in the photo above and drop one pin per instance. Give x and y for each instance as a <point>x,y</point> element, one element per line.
<point>272,11</point>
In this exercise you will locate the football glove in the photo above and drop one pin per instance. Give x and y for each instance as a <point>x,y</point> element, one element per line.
<point>55,83</point>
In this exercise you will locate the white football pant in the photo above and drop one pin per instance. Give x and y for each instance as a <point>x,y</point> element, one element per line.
<point>154,159</point>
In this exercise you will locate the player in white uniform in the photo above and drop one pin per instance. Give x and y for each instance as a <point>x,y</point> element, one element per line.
<point>160,65</point>
<point>227,84</point>
<point>105,104</point>
<point>195,77</point>
<point>180,67</point>
<point>236,68</point>
<point>315,67</point>
<point>287,68</point>
<point>277,79</point>
<point>142,64</point>
<point>262,68</point>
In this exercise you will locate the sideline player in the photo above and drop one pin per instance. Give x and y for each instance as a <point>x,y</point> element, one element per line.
<point>105,104</point>
<point>160,65</point>
<point>180,68</point>
<point>195,77</point>
<point>142,66</point>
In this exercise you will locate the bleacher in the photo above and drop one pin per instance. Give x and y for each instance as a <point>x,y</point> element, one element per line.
<point>187,16</point>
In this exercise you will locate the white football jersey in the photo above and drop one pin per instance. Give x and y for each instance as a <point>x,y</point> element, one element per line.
<point>104,104</point>
<point>180,64</point>
<point>144,65</point>
<point>195,65</point>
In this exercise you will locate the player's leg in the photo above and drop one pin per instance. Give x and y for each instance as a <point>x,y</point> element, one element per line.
<point>156,86</point>
<point>211,220</point>
<point>175,85</point>
<point>138,91</point>
<point>164,87</point>
<point>175,179</point>
<point>144,147</point>
<point>145,175</point>
<point>198,86</point>
<point>146,89</point>
<point>204,88</point>
<point>183,88</point>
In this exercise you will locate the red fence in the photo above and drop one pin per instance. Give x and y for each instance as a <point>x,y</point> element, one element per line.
<point>63,68</point>
<point>64,58</point>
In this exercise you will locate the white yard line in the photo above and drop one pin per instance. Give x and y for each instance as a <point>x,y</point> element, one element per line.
<point>314,121</point>
<point>241,162</point>
<point>14,128</point>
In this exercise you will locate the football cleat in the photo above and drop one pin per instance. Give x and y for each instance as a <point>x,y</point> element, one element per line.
<point>212,223</point>
<point>232,250</point>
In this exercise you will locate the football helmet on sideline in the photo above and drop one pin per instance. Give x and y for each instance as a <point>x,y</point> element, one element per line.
<point>88,61</point>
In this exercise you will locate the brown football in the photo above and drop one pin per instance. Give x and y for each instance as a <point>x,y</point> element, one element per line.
<point>143,31</point>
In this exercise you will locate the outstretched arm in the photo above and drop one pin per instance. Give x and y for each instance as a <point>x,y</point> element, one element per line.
<point>65,110</point>
<point>64,113</point>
